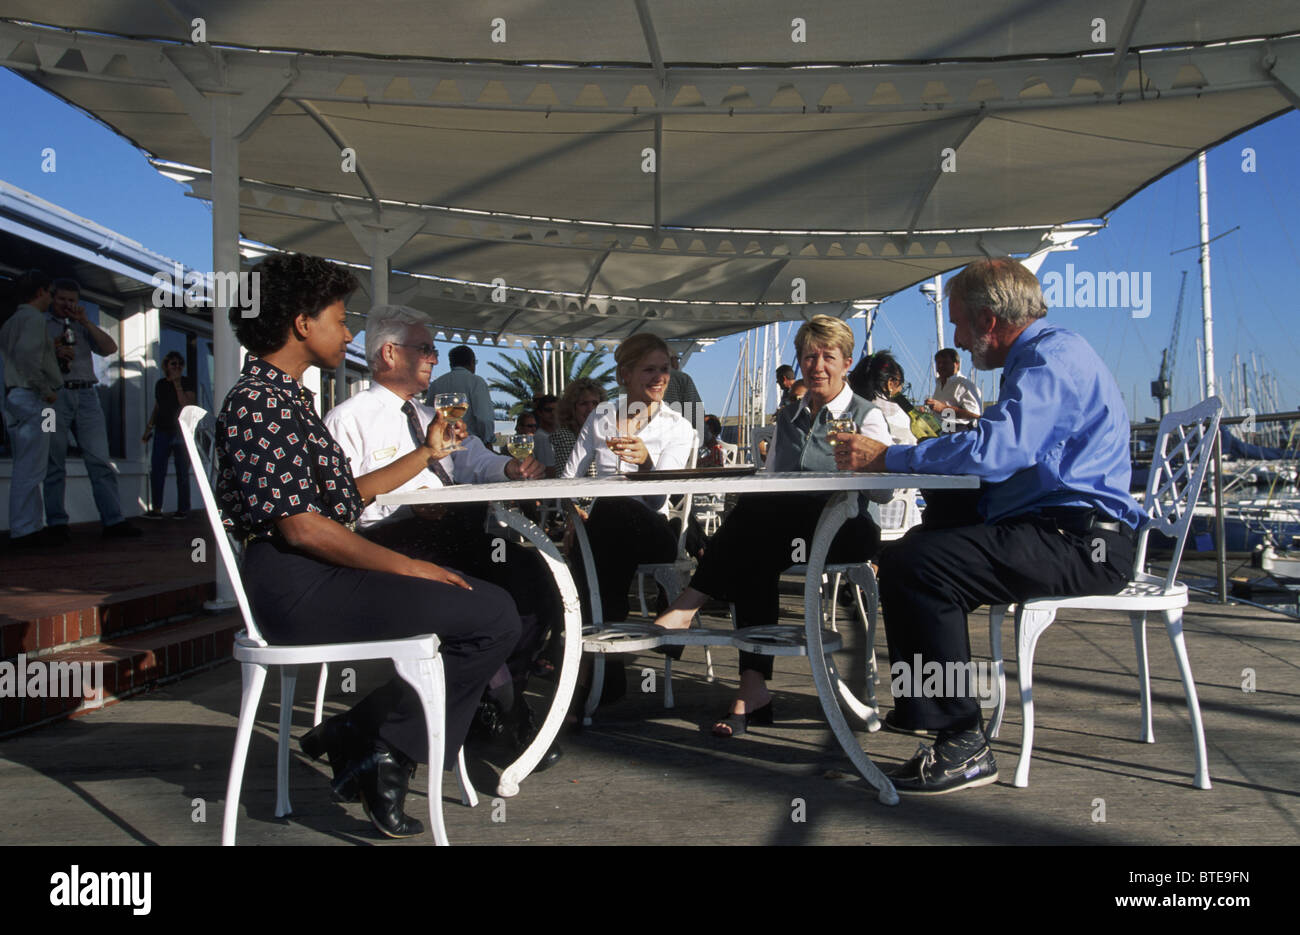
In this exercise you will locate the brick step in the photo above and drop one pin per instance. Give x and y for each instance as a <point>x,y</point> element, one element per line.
<point>80,619</point>
<point>128,665</point>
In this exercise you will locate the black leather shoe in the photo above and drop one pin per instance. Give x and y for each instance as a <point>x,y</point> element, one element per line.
<point>958,760</point>
<point>383,777</point>
<point>525,729</point>
<point>489,724</point>
<point>337,738</point>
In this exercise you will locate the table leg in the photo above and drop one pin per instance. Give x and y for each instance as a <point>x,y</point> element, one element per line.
<point>839,508</point>
<point>508,785</point>
<point>597,612</point>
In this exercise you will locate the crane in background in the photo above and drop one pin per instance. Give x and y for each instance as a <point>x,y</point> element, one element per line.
<point>1162,384</point>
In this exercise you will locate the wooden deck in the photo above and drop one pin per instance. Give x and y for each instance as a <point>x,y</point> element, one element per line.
<point>134,772</point>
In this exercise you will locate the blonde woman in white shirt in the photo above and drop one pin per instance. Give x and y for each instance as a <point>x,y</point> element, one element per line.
<point>634,433</point>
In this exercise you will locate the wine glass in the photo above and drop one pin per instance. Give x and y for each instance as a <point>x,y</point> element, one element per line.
<point>452,407</point>
<point>520,446</point>
<point>842,424</point>
<point>610,429</point>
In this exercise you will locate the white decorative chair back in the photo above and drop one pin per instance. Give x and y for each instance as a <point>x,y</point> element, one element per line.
<point>1179,461</point>
<point>898,515</point>
<point>191,418</point>
<point>730,453</point>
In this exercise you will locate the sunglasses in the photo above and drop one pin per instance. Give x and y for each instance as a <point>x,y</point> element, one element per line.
<point>426,350</point>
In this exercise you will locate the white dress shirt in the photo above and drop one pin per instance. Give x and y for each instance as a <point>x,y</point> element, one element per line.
<point>372,430</point>
<point>960,392</point>
<point>669,438</point>
<point>873,426</point>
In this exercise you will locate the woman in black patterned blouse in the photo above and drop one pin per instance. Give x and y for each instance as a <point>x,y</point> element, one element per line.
<point>285,488</point>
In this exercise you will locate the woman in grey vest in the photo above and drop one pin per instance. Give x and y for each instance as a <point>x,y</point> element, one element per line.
<point>757,541</point>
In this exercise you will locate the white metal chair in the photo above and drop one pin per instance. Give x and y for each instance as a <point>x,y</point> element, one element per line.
<point>1178,467</point>
<point>730,453</point>
<point>416,660</point>
<point>708,512</point>
<point>671,576</point>
<point>627,637</point>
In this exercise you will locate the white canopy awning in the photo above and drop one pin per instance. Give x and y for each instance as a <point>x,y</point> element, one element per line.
<point>583,169</point>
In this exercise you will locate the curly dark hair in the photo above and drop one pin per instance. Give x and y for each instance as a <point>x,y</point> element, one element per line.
<point>870,378</point>
<point>291,284</point>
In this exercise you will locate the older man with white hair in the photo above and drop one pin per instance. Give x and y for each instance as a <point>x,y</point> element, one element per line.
<point>379,429</point>
<point>1054,517</point>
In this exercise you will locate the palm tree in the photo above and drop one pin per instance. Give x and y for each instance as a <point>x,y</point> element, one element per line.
<point>522,377</point>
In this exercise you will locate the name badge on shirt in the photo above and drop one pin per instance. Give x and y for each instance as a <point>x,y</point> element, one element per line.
<point>383,454</point>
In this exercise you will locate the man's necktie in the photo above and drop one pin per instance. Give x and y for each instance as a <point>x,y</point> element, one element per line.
<point>417,436</point>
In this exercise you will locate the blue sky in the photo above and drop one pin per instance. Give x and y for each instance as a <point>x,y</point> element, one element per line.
<point>1255,270</point>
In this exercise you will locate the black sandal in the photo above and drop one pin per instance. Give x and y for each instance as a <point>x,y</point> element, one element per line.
<point>737,724</point>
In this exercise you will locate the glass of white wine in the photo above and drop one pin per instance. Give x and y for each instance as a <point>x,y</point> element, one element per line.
<point>520,446</point>
<point>842,424</point>
<point>452,407</point>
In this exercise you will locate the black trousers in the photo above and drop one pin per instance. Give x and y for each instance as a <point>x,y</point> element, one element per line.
<point>457,541</point>
<point>298,599</point>
<point>623,533</point>
<point>937,574</point>
<point>756,542</point>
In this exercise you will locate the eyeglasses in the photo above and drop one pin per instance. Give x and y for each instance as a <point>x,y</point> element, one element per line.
<point>426,350</point>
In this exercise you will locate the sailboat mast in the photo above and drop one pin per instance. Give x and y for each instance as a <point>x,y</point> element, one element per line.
<point>1207,315</point>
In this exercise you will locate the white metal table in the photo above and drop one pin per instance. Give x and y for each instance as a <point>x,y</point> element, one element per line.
<point>839,508</point>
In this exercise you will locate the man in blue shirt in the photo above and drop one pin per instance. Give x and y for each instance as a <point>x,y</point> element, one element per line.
<point>1054,516</point>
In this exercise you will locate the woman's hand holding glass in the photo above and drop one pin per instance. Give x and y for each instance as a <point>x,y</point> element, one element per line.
<point>629,448</point>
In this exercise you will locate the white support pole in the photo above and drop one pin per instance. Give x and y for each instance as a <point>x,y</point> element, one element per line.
<point>767,349</point>
<point>379,268</point>
<point>225,257</point>
<point>225,241</point>
<point>938,315</point>
<point>1207,315</point>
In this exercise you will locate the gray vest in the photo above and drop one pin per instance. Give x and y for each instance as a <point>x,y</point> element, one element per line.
<point>800,443</point>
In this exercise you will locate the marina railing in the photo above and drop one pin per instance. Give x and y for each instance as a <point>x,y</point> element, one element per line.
<point>1255,419</point>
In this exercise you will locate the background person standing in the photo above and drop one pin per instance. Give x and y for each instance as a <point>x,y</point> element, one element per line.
<point>683,395</point>
<point>172,393</point>
<point>32,381</point>
<point>461,379</point>
<point>78,411</point>
<point>953,391</point>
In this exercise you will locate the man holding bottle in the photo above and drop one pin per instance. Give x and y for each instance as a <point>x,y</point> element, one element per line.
<point>77,410</point>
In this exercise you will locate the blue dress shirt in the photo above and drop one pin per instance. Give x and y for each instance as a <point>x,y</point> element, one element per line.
<point>1058,436</point>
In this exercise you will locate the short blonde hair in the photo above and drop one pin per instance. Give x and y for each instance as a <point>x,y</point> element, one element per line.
<point>825,331</point>
<point>1003,286</point>
<point>629,353</point>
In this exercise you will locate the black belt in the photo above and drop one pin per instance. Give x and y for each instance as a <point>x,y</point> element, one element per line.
<point>1081,521</point>
<point>78,384</point>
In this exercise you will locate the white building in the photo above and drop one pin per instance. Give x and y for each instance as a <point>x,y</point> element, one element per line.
<point>116,275</point>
